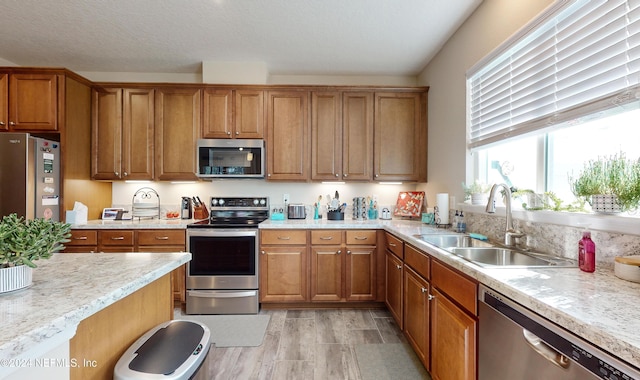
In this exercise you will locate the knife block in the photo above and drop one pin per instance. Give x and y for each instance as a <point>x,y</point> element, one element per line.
<point>200,212</point>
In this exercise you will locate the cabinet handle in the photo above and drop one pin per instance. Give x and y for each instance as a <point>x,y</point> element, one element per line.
<point>398,266</point>
<point>262,252</point>
<point>12,123</point>
<point>228,133</point>
<point>339,252</point>
<point>80,238</point>
<point>345,175</point>
<point>361,238</point>
<point>237,133</point>
<point>348,252</point>
<point>117,174</point>
<point>126,174</point>
<point>284,238</point>
<point>430,297</point>
<point>1,122</point>
<point>423,290</point>
<point>326,237</point>
<point>269,175</point>
<point>377,175</point>
<point>117,238</point>
<point>392,245</point>
<point>162,237</point>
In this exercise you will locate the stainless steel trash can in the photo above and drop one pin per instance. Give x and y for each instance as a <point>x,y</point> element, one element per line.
<point>172,350</point>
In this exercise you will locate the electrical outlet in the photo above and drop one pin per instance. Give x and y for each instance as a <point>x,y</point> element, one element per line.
<point>285,198</point>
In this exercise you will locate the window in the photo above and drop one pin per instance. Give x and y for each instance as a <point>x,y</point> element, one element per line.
<point>563,91</point>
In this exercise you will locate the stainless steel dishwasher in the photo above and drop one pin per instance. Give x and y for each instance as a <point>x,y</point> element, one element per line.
<point>515,343</point>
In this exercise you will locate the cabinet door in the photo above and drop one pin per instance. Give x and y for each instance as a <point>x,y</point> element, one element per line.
<point>137,134</point>
<point>4,102</point>
<point>283,274</point>
<point>393,287</point>
<point>398,134</point>
<point>249,114</point>
<point>217,114</point>
<point>326,136</point>
<point>453,341</point>
<point>106,133</point>
<point>33,102</point>
<point>288,135</point>
<point>361,279</point>
<point>416,313</point>
<point>357,132</point>
<point>177,122</point>
<point>327,269</point>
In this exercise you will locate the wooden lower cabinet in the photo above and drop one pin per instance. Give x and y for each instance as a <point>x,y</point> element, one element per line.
<point>283,274</point>
<point>82,241</point>
<point>327,272</point>
<point>453,340</point>
<point>416,313</point>
<point>360,270</point>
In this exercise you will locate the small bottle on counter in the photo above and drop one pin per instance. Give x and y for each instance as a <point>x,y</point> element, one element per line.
<point>462,225</point>
<point>587,253</point>
<point>456,221</point>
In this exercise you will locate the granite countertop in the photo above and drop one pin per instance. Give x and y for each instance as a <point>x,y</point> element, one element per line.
<point>598,307</point>
<point>134,224</point>
<point>68,288</point>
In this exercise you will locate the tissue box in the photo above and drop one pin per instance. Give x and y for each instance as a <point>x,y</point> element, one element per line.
<point>78,215</point>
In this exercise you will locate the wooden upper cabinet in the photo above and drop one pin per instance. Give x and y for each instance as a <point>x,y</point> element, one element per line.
<point>217,116</point>
<point>399,137</point>
<point>288,135</point>
<point>177,123</point>
<point>249,114</point>
<point>32,102</point>
<point>341,136</point>
<point>357,136</point>
<point>231,114</point>
<point>326,136</point>
<point>123,127</point>
<point>4,102</point>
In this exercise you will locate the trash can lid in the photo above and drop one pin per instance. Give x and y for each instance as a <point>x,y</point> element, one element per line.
<point>168,348</point>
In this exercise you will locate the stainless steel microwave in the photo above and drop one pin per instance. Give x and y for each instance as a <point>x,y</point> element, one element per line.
<point>221,158</point>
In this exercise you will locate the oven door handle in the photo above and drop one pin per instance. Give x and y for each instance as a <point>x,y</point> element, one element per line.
<point>214,294</point>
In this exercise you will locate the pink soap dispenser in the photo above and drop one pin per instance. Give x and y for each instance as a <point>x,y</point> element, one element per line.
<point>587,253</point>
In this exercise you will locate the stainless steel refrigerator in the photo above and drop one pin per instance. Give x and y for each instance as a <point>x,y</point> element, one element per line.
<point>29,176</point>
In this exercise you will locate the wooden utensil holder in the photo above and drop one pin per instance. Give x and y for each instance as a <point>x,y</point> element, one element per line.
<point>200,212</point>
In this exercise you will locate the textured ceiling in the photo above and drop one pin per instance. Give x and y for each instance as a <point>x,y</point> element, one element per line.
<point>322,37</point>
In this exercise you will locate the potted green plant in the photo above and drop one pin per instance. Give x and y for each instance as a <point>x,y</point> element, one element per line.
<point>609,184</point>
<point>477,192</point>
<point>24,241</point>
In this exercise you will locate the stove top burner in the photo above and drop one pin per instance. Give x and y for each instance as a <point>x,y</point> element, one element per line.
<point>228,212</point>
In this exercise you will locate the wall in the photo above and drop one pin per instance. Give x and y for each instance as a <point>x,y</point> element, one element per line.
<point>493,22</point>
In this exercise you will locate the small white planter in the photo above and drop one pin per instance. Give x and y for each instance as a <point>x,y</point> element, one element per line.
<point>14,278</point>
<point>605,204</point>
<point>479,198</point>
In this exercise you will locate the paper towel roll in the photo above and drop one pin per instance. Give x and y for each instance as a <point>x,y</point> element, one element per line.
<point>442,201</point>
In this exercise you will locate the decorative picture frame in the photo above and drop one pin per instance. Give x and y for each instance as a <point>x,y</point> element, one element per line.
<point>409,204</point>
<point>110,213</point>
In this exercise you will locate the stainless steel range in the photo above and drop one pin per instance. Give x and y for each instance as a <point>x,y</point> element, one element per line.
<point>222,276</point>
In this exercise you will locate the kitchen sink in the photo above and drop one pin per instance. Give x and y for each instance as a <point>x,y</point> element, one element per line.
<point>453,240</point>
<point>505,257</point>
<point>490,255</point>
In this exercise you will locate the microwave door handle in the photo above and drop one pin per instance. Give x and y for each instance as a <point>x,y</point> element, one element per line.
<point>195,293</point>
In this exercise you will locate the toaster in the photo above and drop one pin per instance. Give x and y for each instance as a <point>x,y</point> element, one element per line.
<point>296,211</point>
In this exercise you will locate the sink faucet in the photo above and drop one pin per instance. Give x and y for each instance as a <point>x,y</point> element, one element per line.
<point>510,233</point>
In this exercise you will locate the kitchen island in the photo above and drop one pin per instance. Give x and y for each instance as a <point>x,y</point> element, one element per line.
<point>598,307</point>
<point>58,324</point>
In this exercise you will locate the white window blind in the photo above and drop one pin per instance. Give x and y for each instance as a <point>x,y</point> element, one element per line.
<point>581,58</point>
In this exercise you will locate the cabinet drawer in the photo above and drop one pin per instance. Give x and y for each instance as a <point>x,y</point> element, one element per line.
<point>83,237</point>
<point>459,288</point>
<point>326,237</point>
<point>283,237</point>
<point>418,261</point>
<point>394,245</point>
<point>116,237</point>
<point>362,237</point>
<point>161,237</point>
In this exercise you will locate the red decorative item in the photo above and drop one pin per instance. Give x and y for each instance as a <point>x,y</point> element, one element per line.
<point>409,204</point>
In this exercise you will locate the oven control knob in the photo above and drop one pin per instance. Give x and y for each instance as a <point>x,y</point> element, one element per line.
<point>263,201</point>
<point>255,202</point>
<point>214,201</point>
<point>221,202</point>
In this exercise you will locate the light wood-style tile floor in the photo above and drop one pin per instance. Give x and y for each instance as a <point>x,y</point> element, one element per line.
<point>307,344</point>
